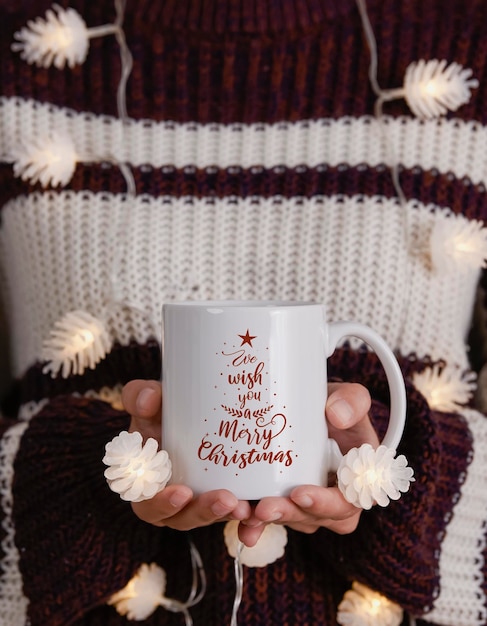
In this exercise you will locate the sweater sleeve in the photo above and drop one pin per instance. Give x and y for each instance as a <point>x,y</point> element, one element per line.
<point>76,542</point>
<point>426,551</point>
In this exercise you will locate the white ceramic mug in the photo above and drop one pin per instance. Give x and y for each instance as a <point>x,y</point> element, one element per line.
<point>244,391</point>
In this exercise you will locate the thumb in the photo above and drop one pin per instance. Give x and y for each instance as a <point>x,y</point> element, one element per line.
<point>142,399</point>
<point>347,412</point>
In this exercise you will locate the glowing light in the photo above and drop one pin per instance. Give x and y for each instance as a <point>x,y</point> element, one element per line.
<point>142,594</point>
<point>268,549</point>
<point>445,388</point>
<point>136,470</point>
<point>367,476</point>
<point>375,606</point>
<point>59,39</point>
<point>78,341</point>
<point>432,88</point>
<point>50,160</point>
<point>371,476</point>
<point>362,606</point>
<point>457,244</point>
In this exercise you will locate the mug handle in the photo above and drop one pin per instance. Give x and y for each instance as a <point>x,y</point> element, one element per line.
<point>397,389</point>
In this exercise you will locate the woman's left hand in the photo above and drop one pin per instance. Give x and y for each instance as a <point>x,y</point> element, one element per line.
<point>309,507</point>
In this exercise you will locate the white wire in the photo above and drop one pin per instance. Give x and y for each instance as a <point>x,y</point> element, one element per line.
<point>199,577</point>
<point>238,568</point>
<point>384,96</point>
<point>122,223</point>
<point>198,588</point>
<point>369,35</point>
<point>126,61</point>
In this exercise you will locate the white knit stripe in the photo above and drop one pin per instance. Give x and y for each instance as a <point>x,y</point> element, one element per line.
<point>350,253</point>
<point>13,603</point>
<point>461,600</point>
<point>308,143</point>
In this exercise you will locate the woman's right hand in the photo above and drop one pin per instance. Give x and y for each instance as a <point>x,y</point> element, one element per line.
<point>175,506</point>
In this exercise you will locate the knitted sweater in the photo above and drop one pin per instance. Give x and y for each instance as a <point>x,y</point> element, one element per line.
<point>240,159</point>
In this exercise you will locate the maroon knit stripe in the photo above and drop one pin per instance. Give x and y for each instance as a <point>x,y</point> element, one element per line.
<point>461,196</point>
<point>224,77</point>
<point>247,16</point>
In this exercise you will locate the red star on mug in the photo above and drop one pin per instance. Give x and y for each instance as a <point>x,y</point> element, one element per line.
<point>247,338</point>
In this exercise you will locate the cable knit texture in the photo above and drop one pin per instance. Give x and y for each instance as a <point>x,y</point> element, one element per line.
<point>241,159</point>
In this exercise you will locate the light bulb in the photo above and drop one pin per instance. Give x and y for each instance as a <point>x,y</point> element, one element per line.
<point>371,476</point>
<point>432,88</point>
<point>375,606</point>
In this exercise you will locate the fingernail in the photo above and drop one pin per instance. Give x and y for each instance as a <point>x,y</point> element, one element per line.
<point>273,517</point>
<point>220,509</point>
<point>143,402</point>
<point>342,411</point>
<point>178,499</point>
<point>304,501</point>
<point>252,523</point>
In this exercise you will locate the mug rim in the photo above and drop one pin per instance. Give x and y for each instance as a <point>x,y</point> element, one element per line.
<point>235,304</point>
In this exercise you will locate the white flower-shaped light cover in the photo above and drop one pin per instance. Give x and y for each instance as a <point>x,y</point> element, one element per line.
<point>432,88</point>
<point>269,548</point>
<point>458,244</point>
<point>50,160</point>
<point>62,38</point>
<point>362,606</point>
<point>136,471</point>
<point>445,388</point>
<point>142,594</point>
<point>78,341</point>
<point>367,476</point>
<point>110,395</point>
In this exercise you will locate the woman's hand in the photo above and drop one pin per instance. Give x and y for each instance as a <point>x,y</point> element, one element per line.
<point>306,509</point>
<point>310,507</point>
<point>175,506</point>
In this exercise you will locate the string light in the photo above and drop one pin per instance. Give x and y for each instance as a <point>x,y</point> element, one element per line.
<point>59,39</point>
<point>458,244</point>
<point>78,341</point>
<point>136,470</point>
<point>268,549</point>
<point>145,592</point>
<point>110,395</point>
<point>361,606</point>
<point>445,388</point>
<point>49,160</point>
<point>432,88</point>
<point>142,594</point>
<point>367,476</point>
